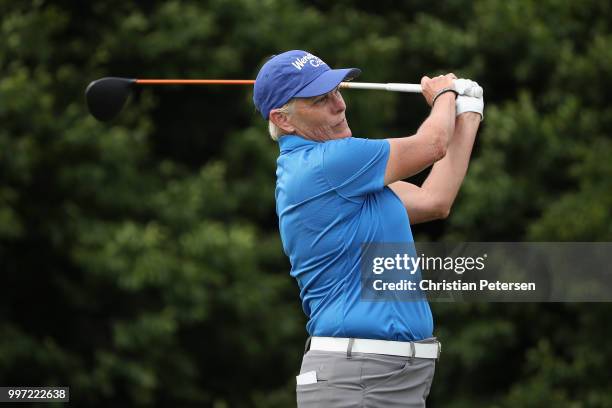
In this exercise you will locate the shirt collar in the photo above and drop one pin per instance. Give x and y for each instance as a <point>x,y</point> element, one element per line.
<point>288,143</point>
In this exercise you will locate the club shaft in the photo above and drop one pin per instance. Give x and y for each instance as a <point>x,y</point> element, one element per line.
<point>195,81</point>
<point>394,87</point>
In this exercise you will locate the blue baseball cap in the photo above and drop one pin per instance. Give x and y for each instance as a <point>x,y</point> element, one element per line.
<point>295,74</point>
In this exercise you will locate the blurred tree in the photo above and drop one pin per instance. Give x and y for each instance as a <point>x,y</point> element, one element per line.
<point>140,260</point>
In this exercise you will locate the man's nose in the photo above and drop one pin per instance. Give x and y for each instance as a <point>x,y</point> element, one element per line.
<point>338,104</point>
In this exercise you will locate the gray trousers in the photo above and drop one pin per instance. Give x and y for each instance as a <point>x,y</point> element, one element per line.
<point>365,380</point>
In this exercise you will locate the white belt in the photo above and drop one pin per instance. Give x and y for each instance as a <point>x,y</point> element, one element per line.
<point>394,348</point>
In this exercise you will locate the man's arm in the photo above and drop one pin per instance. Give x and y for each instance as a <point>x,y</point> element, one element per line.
<point>434,199</point>
<point>410,155</point>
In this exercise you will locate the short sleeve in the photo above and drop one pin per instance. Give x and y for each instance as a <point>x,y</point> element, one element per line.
<point>355,167</point>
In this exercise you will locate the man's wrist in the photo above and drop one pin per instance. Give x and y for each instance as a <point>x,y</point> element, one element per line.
<point>446,100</point>
<point>444,92</point>
<point>469,116</point>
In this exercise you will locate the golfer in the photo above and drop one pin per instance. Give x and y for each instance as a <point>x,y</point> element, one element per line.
<point>335,192</point>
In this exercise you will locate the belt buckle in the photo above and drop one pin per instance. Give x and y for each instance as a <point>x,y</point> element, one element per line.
<point>439,350</point>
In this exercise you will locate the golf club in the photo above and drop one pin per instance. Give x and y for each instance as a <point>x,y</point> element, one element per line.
<point>105,97</point>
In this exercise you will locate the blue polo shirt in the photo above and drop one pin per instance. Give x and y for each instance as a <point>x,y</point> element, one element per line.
<point>330,200</point>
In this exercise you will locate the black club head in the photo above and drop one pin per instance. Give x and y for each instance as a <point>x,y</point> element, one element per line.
<point>105,97</point>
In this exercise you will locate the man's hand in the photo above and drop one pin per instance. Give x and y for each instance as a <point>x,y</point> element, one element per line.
<point>467,87</point>
<point>469,104</point>
<point>432,86</point>
<point>469,97</point>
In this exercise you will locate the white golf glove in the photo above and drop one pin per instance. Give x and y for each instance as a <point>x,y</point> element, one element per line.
<point>465,103</point>
<point>467,87</point>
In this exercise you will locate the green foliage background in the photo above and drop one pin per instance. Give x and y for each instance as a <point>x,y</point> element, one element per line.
<point>140,261</point>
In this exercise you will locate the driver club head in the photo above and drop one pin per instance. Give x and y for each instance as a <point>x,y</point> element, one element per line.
<point>106,96</point>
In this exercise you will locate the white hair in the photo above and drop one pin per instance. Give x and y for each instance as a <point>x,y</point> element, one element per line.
<point>275,131</point>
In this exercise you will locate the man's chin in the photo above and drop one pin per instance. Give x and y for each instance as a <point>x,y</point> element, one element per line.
<point>346,132</point>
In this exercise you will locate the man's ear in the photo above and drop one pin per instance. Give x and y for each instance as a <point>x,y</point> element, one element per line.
<point>281,120</point>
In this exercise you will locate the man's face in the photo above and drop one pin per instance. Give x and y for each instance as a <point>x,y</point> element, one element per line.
<point>320,117</point>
